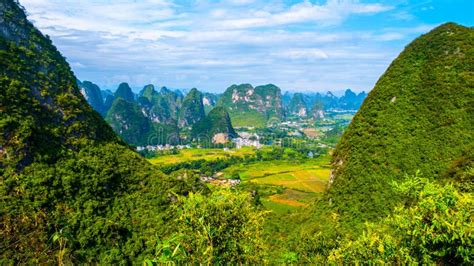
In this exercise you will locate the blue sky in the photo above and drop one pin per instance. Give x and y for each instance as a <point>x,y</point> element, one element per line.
<point>297,45</point>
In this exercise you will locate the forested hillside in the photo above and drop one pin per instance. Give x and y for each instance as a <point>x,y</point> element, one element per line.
<point>397,188</point>
<point>71,190</point>
<point>419,117</point>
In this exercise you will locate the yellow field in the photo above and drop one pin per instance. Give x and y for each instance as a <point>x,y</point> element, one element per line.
<point>187,155</point>
<point>292,197</point>
<point>309,180</point>
<point>301,180</point>
<point>310,176</point>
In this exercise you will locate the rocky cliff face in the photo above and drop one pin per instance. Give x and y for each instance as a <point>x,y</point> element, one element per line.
<point>93,95</point>
<point>298,105</point>
<point>249,106</point>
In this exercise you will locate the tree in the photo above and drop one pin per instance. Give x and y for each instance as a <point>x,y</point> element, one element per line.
<point>222,228</point>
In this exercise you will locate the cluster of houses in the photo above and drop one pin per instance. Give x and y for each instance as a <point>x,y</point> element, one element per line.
<point>246,139</point>
<point>162,147</point>
<point>220,182</point>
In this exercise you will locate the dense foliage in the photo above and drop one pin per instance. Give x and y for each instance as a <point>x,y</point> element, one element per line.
<point>217,121</point>
<point>70,189</point>
<point>192,110</point>
<point>72,192</point>
<point>419,116</point>
<point>224,227</point>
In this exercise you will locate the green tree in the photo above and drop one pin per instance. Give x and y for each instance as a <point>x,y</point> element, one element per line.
<point>222,228</point>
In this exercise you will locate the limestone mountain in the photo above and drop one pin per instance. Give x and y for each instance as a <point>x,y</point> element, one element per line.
<point>249,106</point>
<point>106,93</point>
<point>216,126</point>
<point>174,100</point>
<point>127,119</point>
<point>317,110</point>
<point>418,117</point>
<point>148,92</point>
<point>155,106</point>
<point>109,99</point>
<point>209,100</point>
<point>298,105</point>
<point>351,100</point>
<point>192,110</point>
<point>93,95</point>
<point>125,92</point>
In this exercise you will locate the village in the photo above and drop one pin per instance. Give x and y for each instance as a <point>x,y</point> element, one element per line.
<point>295,127</point>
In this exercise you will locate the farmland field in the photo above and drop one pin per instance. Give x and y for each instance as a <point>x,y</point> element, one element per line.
<point>187,155</point>
<point>298,180</point>
<point>301,180</point>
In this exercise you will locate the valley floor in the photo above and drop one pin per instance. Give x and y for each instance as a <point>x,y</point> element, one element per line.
<point>284,184</point>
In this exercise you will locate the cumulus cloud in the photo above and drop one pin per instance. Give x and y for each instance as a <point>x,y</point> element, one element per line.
<point>208,44</point>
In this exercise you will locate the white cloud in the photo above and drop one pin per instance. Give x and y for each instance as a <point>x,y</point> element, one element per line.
<point>305,53</point>
<point>332,12</point>
<point>213,44</point>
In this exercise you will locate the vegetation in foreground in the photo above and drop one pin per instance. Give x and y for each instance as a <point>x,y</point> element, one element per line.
<point>73,192</point>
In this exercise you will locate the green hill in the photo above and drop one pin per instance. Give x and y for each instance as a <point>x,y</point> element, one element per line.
<point>419,116</point>
<point>192,110</point>
<point>217,121</point>
<point>72,192</point>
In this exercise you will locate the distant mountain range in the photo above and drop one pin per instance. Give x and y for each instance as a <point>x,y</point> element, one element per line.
<point>158,117</point>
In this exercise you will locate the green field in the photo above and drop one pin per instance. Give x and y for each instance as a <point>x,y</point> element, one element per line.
<point>301,180</point>
<point>187,155</point>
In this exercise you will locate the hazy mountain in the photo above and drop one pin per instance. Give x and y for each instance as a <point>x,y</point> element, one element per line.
<point>125,92</point>
<point>298,106</point>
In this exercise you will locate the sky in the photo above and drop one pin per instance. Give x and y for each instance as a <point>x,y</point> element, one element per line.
<point>297,45</point>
